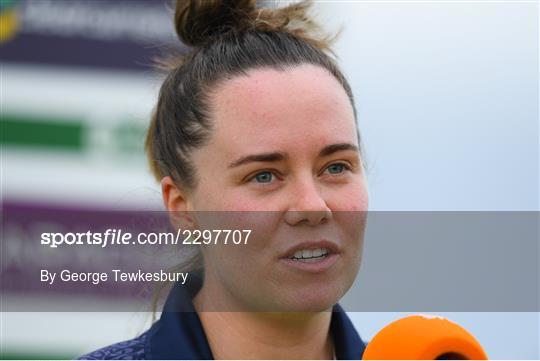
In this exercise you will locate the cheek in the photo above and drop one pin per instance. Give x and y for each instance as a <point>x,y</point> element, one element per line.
<point>245,234</point>
<point>243,268</point>
<point>350,209</point>
<point>218,197</point>
<point>353,198</point>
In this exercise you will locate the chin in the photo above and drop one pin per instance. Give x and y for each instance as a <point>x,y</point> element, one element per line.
<point>312,299</point>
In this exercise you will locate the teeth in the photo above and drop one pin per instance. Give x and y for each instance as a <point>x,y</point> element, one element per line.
<point>310,253</point>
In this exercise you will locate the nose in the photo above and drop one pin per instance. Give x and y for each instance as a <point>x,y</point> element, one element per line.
<point>307,205</point>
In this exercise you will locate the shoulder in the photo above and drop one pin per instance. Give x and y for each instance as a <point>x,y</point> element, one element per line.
<point>134,349</point>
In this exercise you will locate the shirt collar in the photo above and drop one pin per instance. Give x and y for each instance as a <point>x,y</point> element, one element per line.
<point>179,333</point>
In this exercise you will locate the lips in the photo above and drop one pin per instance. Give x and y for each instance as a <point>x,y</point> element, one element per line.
<point>311,250</point>
<point>317,257</point>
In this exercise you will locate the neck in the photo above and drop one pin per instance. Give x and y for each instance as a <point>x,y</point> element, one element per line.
<point>266,335</point>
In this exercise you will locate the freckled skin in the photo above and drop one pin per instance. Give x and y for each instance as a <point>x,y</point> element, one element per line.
<point>297,112</point>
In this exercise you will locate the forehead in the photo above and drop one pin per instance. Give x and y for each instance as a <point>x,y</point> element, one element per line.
<point>269,107</point>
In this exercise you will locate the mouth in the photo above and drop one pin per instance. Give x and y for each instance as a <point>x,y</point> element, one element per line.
<point>313,256</point>
<point>310,255</point>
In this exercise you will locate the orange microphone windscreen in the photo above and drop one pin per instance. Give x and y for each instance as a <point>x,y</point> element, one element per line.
<point>421,337</point>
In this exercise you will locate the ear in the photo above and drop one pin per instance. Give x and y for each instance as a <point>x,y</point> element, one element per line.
<point>176,202</point>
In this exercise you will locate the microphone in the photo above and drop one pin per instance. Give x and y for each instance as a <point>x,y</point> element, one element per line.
<point>424,337</point>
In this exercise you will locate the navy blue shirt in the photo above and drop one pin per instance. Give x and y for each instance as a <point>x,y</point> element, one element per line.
<point>179,334</point>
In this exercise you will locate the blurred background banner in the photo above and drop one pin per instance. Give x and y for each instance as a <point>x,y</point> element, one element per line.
<point>78,86</point>
<point>109,34</point>
<point>447,97</point>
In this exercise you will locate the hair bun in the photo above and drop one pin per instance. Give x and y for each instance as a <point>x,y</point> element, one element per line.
<point>197,21</point>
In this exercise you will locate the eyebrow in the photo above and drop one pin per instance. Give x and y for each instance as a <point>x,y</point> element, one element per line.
<point>278,156</point>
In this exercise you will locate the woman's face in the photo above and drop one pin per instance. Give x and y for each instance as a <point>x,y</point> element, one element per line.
<point>283,161</point>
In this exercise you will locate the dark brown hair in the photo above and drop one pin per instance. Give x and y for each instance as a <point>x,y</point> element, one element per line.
<point>227,38</point>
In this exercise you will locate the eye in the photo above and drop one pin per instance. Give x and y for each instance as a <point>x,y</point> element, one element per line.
<point>263,177</point>
<point>337,168</point>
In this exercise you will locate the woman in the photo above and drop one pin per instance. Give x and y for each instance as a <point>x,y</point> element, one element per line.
<point>258,117</point>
